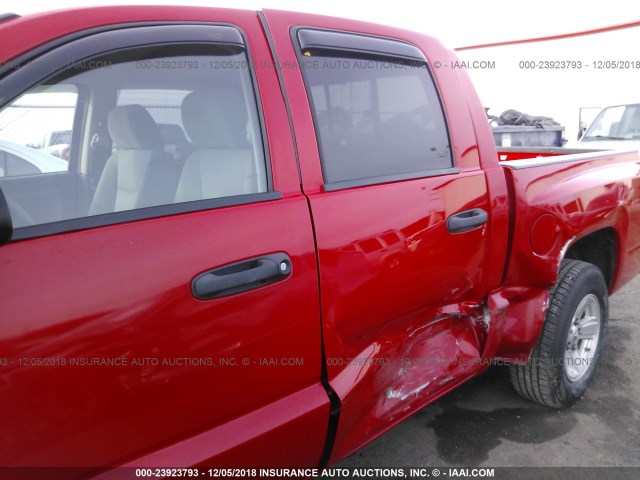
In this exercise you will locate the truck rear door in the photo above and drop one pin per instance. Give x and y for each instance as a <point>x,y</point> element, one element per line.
<point>169,326</point>
<point>400,208</point>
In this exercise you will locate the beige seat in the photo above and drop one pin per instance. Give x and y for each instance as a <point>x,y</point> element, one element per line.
<point>139,173</point>
<point>223,165</point>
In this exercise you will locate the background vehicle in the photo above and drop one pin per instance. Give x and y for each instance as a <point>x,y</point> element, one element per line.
<point>329,243</point>
<point>57,143</point>
<point>17,160</point>
<point>615,127</point>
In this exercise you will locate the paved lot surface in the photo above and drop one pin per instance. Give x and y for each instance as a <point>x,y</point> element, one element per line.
<point>485,423</point>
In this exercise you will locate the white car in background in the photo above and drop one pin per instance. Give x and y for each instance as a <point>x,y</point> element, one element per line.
<point>16,160</point>
<point>615,127</point>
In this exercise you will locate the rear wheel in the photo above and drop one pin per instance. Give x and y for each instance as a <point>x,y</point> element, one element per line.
<point>565,358</point>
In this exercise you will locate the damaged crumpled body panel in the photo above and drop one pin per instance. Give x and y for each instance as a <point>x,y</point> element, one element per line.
<point>398,374</point>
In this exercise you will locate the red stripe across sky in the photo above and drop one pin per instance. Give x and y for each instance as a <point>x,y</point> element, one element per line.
<point>554,37</point>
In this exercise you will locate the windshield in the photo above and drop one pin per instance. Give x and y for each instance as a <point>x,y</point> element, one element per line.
<point>616,123</point>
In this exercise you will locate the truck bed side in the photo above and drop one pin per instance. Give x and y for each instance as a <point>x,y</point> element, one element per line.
<point>583,206</point>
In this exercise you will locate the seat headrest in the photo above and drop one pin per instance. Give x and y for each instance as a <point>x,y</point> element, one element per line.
<point>131,126</point>
<point>215,118</point>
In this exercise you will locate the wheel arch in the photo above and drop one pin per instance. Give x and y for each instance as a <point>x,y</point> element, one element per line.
<point>600,248</point>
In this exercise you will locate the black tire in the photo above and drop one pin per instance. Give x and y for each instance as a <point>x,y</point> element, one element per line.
<point>549,377</point>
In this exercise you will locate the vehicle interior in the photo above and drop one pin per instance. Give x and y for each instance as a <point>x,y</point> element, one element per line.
<point>149,127</point>
<point>373,111</point>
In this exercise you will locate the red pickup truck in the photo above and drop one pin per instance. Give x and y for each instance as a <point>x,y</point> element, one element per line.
<point>276,236</point>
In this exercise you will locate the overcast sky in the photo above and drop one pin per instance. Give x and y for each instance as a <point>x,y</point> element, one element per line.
<point>461,23</point>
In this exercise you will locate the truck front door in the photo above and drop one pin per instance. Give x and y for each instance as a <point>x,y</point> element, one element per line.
<point>166,315</point>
